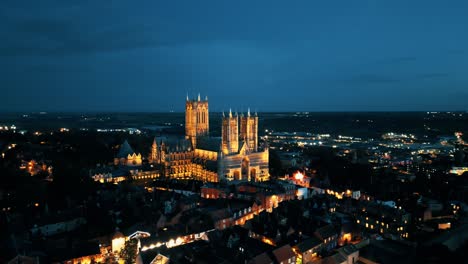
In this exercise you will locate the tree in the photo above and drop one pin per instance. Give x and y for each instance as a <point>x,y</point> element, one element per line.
<point>274,163</point>
<point>129,252</point>
<point>110,259</point>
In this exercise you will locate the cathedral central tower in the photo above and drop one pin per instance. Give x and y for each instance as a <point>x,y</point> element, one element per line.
<point>196,119</point>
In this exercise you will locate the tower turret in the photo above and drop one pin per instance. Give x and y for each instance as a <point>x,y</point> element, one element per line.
<point>154,155</point>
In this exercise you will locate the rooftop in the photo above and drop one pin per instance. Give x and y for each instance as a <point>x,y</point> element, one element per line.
<point>283,253</point>
<point>308,244</point>
<point>125,150</point>
<point>261,259</point>
<point>326,232</point>
<point>209,143</point>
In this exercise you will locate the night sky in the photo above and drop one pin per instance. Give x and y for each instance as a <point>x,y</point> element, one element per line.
<point>268,55</point>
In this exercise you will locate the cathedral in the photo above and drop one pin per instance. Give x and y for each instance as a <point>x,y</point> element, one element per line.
<point>233,156</point>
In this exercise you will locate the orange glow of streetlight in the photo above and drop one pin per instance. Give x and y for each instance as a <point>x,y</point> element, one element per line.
<point>299,176</point>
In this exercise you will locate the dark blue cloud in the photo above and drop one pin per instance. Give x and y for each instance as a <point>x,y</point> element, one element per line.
<point>269,55</point>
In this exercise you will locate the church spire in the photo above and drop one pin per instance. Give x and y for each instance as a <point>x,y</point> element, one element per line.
<point>187,97</point>
<point>198,97</point>
<point>230,112</point>
<point>248,112</point>
<point>154,155</point>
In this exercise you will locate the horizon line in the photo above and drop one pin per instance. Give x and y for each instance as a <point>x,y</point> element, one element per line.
<point>220,112</point>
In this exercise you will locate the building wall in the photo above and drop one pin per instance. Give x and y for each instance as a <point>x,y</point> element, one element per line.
<point>212,193</point>
<point>61,227</point>
<point>86,259</point>
<point>134,160</point>
<point>206,154</point>
<point>146,175</point>
<point>353,257</point>
<point>178,165</point>
<point>396,225</point>
<point>131,160</point>
<point>199,172</point>
<point>118,244</point>
<point>310,254</point>
<point>330,243</point>
<point>255,164</point>
<point>302,193</point>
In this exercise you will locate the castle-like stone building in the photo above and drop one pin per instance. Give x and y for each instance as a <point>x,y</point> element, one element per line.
<point>233,156</point>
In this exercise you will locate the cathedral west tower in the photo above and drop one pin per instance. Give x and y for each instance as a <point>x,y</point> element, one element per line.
<point>249,131</point>
<point>230,134</point>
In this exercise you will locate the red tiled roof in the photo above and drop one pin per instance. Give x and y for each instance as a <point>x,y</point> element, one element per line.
<point>283,253</point>
<point>261,259</point>
<point>325,232</point>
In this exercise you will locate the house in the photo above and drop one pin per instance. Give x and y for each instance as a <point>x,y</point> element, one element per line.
<point>345,255</point>
<point>222,218</point>
<point>158,259</point>
<point>252,248</point>
<point>378,218</point>
<point>211,191</point>
<point>261,259</point>
<point>61,224</point>
<point>83,253</point>
<point>26,260</point>
<point>328,235</point>
<point>308,249</point>
<point>118,241</point>
<point>333,259</point>
<point>350,252</point>
<point>284,255</point>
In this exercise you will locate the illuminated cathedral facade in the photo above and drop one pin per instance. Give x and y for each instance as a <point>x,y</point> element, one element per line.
<point>233,156</point>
